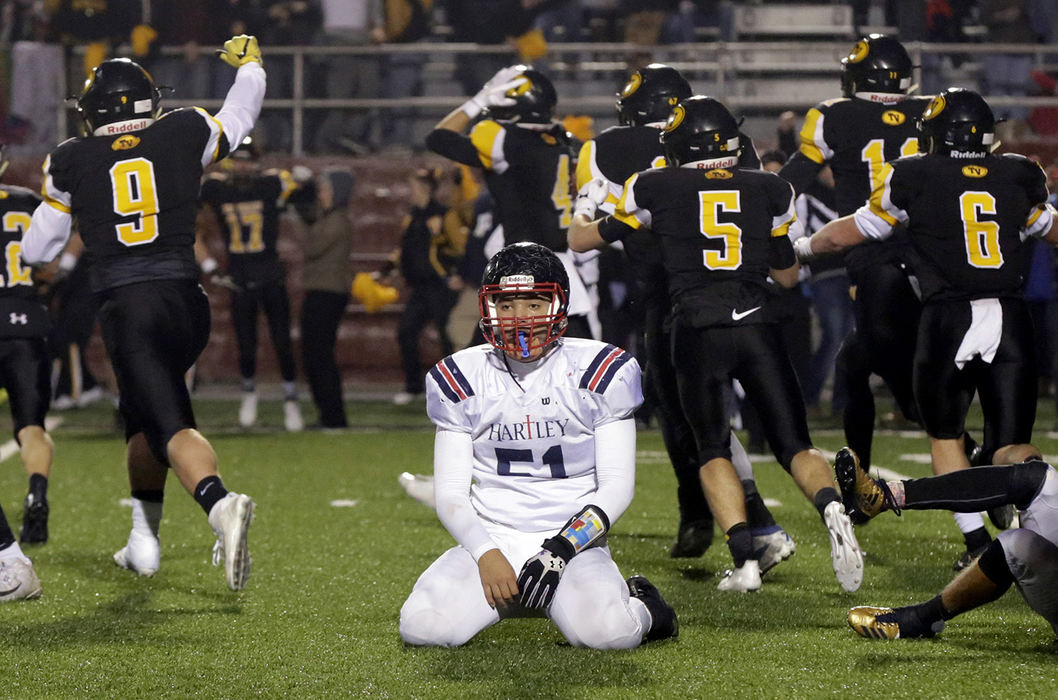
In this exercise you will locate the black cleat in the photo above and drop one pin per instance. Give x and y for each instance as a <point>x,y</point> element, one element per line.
<point>863,496</point>
<point>34,521</point>
<point>663,618</point>
<point>692,539</point>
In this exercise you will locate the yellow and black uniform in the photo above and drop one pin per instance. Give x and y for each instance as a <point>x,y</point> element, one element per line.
<point>429,257</point>
<point>527,171</point>
<point>25,369</point>
<point>967,220</point>
<point>615,155</point>
<point>135,197</point>
<point>720,232</point>
<point>248,209</point>
<point>856,137</point>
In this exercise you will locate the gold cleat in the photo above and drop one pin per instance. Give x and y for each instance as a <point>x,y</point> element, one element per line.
<point>864,619</point>
<point>864,496</point>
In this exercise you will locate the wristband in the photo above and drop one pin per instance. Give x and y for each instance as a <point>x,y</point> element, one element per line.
<point>471,108</point>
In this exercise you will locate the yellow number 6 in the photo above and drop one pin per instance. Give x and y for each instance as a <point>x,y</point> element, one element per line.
<point>135,193</point>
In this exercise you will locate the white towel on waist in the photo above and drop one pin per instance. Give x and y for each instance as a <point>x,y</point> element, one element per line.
<point>985,332</point>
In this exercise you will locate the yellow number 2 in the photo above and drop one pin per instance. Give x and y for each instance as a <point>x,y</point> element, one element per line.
<point>135,194</point>
<point>17,273</point>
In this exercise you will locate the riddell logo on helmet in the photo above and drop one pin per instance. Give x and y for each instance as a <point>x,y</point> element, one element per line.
<point>517,281</point>
<point>123,127</point>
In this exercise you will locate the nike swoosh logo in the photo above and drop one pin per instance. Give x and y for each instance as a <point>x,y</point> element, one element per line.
<point>202,491</point>
<point>11,590</point>
<point>739,315</point>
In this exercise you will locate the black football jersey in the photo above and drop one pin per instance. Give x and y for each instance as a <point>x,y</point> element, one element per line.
<point>965,219</point>
<point>720,232</point>
<point>617,154</point>
<point>856,138</point>
<point>248,210</point>
<point>135,196</point>
<point>21,313</point>
<point>528,173</point>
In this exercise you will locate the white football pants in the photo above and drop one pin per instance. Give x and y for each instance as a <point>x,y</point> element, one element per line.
<point>591,607</point>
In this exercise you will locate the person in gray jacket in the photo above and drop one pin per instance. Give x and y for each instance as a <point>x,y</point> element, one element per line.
<point>326,279</point>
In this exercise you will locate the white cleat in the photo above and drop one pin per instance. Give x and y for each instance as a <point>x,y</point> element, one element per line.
<point>248,409</point>
<point>142,554</point>
<point>845,552</point>
<point>292,419</point>
<point>230,519</point>
<point>418,486</point>
<point>18,580</point>
<point>772,546</point>
<point>744,579</point>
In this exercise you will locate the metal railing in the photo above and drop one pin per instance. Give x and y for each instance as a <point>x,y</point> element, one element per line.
<point>726,68</point>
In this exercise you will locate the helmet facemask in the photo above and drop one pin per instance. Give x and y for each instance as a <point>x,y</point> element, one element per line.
<point>522,317</point>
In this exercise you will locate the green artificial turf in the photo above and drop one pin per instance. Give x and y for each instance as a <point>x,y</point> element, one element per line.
<point>319,615</point>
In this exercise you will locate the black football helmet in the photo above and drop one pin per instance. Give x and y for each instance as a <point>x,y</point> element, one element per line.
<point>699,128</point>
<point>877,63</point>
<point>650,95</point>
<point>527,269</point>
<point>534,100</point>
<point>957,120</point>
<point>118,90</point>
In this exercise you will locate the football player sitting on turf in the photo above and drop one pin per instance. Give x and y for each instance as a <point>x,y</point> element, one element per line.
<point>535,441</point>
<point>1026,556</point>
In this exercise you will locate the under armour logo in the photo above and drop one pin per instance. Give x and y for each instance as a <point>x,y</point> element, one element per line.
<point>545,401</point>
<point>18,319</point>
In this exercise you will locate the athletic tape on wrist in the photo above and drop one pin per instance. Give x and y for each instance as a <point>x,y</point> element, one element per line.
<point>586,528</point>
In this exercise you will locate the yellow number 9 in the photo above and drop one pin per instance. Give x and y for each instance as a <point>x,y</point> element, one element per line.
<point>135,194</point>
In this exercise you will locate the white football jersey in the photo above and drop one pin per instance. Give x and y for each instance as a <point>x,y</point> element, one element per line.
<point>533,424</point>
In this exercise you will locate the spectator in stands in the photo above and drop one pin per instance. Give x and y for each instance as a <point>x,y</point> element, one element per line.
<point>96,26</point>
<point>493,23</point>
<point>403,22</point>
<point>428,260</point>
<point>348,76</point>
<point>290,23</point>
<point>191,25</point>
<point>1010,22</point>
<point>326,280</point>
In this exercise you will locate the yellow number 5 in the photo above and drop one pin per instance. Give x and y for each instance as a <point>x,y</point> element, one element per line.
<point>135,194</point>
<point>712,203</point>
